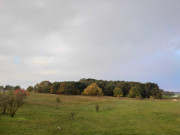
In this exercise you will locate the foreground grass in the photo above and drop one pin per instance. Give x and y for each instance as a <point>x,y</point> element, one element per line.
<point>39,116</point>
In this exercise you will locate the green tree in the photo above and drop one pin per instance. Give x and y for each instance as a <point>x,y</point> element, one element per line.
<point>17,87</point>
<point>156,93</point>
<point>58,100</point>
<point>118,92</point>
<point>55,87</point>
<point>108,91</point>
<point>1,88</point>
<point>136,91</point>
<point>125,86</point>
<point>30,88</point>
<point>8,87</point>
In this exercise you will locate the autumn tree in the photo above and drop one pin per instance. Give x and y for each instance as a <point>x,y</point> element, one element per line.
<point>131,89</point>
<point>44,87</point>
<point>137,91</point>
<point>93,90</point>
<point>15,100</point>
<point>11,100</point>
<point>54,87</point>
<point>30,88</point>
<point>61,89</point>
<point>118,92</point>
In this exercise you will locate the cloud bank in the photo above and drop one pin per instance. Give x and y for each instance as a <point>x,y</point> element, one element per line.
<point>60,40</point>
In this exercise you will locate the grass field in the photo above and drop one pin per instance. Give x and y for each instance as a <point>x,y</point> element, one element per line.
<point>40,116</point>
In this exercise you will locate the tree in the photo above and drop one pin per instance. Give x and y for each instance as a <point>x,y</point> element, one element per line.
<point>3,102</point>
<point>118,92</point>
<point>55,87</point>
<point>131,89</point>
<point>58,100</point>
<point>149,88</point>
<point>30,88</point>
<point>61,88</point>
<point>108,91</point>
<point>132,93</point>
<point>1,88</point>
<point>11,100</point>
<point>71,88</point>
<point>137,91</point>
<point>156,93</point>
<point>44,87</point>
<point>93,90</point>
<point>15,100</point>
<point>17,87</point>
<point>8,87</point>
<point>168,93</point>
<point>124,86</point>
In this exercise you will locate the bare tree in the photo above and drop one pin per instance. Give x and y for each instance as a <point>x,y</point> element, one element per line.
<point>15,101</point>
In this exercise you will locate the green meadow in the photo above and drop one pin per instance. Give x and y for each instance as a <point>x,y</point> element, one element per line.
<point>117,116</point>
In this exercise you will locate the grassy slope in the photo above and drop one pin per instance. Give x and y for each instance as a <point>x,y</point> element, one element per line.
<point>39,116</point>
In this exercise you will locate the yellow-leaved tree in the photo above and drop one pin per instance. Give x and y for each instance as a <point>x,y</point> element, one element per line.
<point>61,88</point>
<point>93,90</point>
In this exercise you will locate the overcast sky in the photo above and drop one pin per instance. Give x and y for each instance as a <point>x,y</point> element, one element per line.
<point>61,40</point>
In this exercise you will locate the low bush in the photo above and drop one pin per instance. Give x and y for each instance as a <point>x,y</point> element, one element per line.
<point>97,108</point>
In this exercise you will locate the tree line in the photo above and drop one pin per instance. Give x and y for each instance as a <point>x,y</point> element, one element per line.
<point>9,87</point>
<point>100,87</point>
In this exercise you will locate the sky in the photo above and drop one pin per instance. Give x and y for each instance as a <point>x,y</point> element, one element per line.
<point>66,40</point>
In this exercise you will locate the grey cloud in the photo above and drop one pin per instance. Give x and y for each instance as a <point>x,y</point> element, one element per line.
<point>67,40</point>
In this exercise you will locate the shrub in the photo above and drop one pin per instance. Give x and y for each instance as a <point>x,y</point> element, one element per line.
<point>15,100</point>
<point>97,108</point>
<point>93,90</point>
<point>152,97</point>
<point>58,100</point>
<point>10,101</point>
<point>72,115</point>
